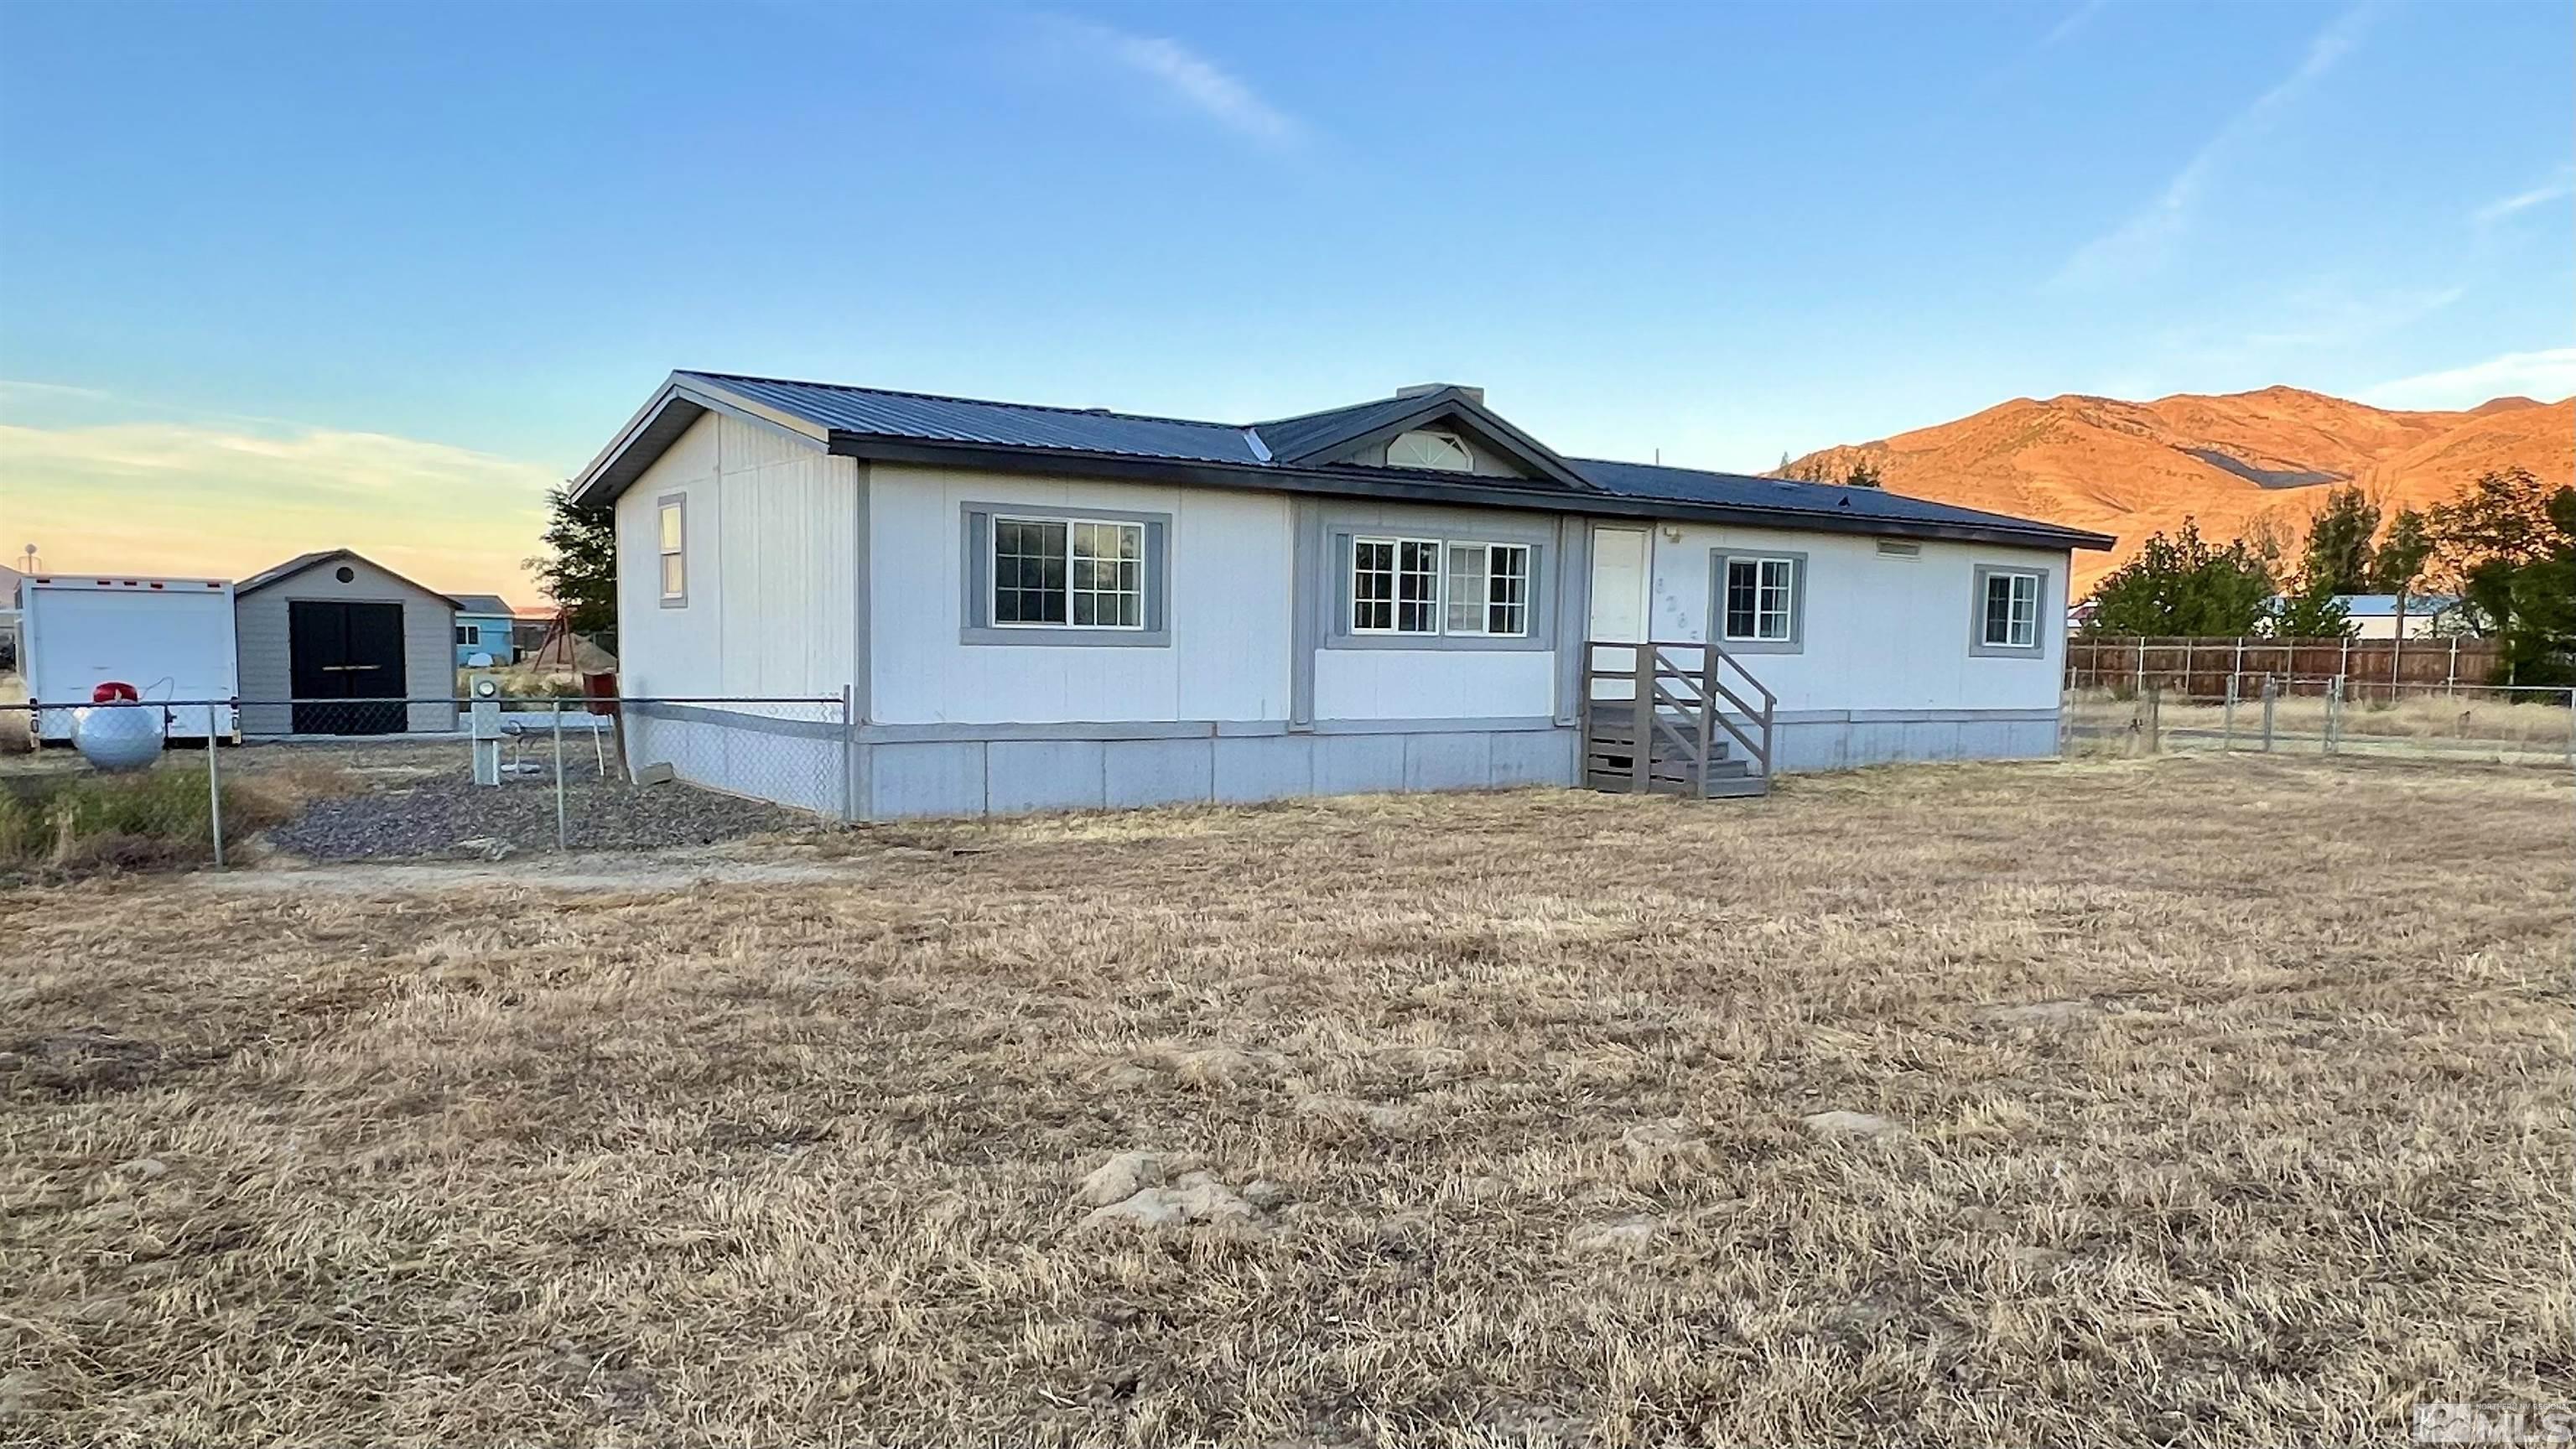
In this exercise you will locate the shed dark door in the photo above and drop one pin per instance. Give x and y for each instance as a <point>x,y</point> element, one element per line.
<point>354,652</point>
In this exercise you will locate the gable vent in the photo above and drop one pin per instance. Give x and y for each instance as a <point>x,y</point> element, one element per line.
<point>1890,548</point>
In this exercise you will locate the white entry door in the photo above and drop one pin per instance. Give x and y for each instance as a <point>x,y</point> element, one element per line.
<point>1620,576</point>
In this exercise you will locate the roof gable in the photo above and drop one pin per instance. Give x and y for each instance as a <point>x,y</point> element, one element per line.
<point>1339,435</point>
<point>306,562</point>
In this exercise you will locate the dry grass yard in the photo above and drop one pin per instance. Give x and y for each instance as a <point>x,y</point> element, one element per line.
<point>2199,1100</point>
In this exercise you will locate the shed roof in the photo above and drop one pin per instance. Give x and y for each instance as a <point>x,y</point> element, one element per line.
<point>278,573</point>
<point>481,604</point>
<point>1285,453</point>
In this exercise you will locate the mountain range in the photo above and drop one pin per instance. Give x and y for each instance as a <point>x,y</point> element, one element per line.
<point>2238,462</point>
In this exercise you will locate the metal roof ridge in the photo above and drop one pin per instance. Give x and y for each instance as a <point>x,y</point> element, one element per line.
<point>984,402</point>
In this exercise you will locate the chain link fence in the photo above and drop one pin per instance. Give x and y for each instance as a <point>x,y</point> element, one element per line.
<point>2329,715</point>
<point>224,782</point>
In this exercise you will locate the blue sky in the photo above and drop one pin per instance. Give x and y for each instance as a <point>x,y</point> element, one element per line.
<point>315,262</point>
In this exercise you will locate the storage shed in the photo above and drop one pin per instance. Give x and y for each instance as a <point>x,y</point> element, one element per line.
<point>333,644</point>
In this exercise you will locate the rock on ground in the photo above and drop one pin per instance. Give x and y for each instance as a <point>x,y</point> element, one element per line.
<point>1196,1199</point>
<point>1625,1235</point>
<point>1839,1123</point>
<point>1120,1178</point>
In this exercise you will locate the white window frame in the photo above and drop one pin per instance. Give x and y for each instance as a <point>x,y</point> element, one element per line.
<point>2035,582</point>
<point>671,549</point>
<point>1071,523</point>
<point>1761,564</point>
<point>1484,549</point>
<point>1396,573</point>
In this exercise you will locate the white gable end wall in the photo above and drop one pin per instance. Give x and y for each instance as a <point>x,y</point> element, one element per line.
<point>771,538</point>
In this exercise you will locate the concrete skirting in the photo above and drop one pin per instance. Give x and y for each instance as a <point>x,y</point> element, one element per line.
<point>1004,776</point>
<point>889,772</point>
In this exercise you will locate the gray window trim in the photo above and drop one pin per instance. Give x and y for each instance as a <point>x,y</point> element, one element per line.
<point>976,607</point>
<point>1796,643</point>
<point>1977,645</point>
<point>1334,589</point>
<point>680,501</point>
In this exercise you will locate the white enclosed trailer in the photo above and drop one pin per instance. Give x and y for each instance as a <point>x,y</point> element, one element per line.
<point>171,639</point>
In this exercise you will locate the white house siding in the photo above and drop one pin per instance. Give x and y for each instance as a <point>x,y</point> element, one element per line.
<point>261,628</point>
<point>976,727</point>
<point>1884,670</point>
<point>1228,609</point>
<point>773,556</point>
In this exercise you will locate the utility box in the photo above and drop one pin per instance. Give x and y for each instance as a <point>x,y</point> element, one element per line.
<point>172,639</point>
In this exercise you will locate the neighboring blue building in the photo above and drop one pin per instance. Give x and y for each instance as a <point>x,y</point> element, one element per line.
<point>483,624</point>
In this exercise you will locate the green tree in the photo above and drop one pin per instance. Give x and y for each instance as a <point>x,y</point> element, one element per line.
<point>2398,565</point>
<point>2338,554</point>
<point>578,569</point>
<point>2184,586</point>
<point>2313,612</point>
<point>2510,542</point>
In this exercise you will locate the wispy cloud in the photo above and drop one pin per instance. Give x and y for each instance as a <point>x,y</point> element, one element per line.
<point>183,498</point>
<point>2146,240</point>
<point>1194,82</point>
<point>2074,21</point>
<point>2522,201</point>
<point>2548,374</point>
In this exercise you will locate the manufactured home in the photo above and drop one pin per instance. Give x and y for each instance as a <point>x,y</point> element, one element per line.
<point>1035,608</point>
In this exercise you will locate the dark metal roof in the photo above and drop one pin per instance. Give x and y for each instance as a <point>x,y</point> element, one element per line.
<point>1303,434</point>
<point>880,413</point>
<point>481,603</point>
<point>921,427</point>
<point>1738,490</point>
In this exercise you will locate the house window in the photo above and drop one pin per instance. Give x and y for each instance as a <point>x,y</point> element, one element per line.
<point>672,524</point>
<point>464,635</point>
<point>1489,589</point>
<point>1425,449</point>
<point>1068,573</point>
<point>1757,602</point>
<point>2008,611</point>
<point>1395,586</point>
<point>1760,600</point>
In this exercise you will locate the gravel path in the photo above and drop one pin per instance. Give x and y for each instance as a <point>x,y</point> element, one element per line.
<point>448,815</point>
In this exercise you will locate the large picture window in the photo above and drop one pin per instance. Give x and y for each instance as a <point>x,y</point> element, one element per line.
<point>1430,587</point>
<point>2008,610</point>
<point>1068,573</point>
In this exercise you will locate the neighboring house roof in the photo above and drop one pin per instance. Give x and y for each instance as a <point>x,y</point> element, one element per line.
<point>2384,606</point>
<point>481,604</point>
<point>303,561</point>
<point>1290,454</point>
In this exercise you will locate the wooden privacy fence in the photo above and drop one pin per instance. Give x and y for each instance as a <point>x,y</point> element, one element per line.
<point>2201,668</point>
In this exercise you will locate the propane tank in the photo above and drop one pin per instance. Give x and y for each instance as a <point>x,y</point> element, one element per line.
<point>116,731</point>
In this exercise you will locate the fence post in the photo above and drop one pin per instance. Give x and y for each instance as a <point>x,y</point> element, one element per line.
<point>849,754</point>
<point>563,832</point>
<point>2451,680</point>
<point>2271,693</point>
<point>214,792</point>
<point>2155,728</point>
<point>2334,713</point>
<point>2142,664</point>
<point>2227,718</point>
